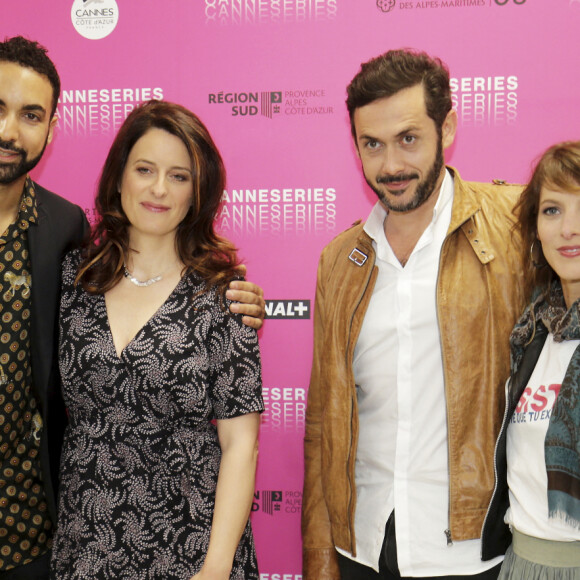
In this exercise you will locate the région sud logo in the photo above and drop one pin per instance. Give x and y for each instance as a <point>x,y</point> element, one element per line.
<point>270,104</point>
<point>94,19</point>
<point>273,502</point>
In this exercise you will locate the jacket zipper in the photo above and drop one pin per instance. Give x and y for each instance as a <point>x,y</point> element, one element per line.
<point>447,532</point>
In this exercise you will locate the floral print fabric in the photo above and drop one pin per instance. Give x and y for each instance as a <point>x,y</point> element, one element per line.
<point>141,454</point>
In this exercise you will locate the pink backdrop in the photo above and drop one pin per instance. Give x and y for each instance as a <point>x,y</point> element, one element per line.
<point>268,78</point>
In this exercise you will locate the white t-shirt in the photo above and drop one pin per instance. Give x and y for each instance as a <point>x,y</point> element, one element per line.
<point>526,473</point>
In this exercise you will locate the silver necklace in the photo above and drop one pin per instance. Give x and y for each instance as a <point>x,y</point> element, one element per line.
<point>140,283</point>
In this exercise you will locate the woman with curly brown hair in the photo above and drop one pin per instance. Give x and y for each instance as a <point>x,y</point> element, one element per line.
<point>162,382</point>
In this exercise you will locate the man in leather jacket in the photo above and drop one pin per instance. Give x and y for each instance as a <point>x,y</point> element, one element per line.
<point>412,318</point>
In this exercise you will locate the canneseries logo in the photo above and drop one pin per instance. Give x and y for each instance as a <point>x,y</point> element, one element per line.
<point>94,19</point>
<point>491,100</point>
<point>392,5</point>
<point>86,112</point>
<point>248,12</point>
<point>278,211</point>
<point>285,408</point>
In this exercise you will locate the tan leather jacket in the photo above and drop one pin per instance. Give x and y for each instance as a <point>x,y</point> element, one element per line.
<point>479,297</point>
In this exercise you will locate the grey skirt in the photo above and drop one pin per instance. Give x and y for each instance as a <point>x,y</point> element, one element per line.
<point>536,559</point>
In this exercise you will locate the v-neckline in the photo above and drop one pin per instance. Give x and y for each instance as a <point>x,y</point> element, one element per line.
<point>119,354</point>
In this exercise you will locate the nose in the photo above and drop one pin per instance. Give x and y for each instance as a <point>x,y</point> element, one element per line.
<point>571,224</point>
<point>8,128</point>
<point>392,161</point>
<point>159,188</point>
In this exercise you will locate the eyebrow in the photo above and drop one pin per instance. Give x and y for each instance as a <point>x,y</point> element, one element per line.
<point>29,108</point>
<point>34,108</point>
<point>367,137</point>
<point>402,133</point>
<point>409,129</point>
<point>142,160</point>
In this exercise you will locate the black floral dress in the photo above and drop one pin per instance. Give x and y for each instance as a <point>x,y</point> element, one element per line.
<point>141,454</point>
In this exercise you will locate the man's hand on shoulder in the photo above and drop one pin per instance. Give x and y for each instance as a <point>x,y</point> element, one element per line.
<point>248,299</point>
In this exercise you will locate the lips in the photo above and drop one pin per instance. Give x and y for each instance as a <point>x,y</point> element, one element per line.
<point>8,155</point>
<point>397,186</point>
<point>569,251</point>
<point>154,207</point>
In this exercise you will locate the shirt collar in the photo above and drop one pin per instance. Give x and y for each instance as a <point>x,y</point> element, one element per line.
<point>28,212</point>
<point>374,225</point>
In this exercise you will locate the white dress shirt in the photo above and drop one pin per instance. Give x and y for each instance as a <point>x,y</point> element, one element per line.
<point>402,460</point>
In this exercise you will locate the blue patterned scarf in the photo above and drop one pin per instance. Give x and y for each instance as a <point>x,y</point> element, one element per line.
<point>562,445</point>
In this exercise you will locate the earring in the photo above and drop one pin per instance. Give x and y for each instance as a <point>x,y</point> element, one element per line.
<point>538,260</point>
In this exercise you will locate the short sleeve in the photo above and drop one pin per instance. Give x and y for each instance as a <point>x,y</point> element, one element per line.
<point>235,367</point>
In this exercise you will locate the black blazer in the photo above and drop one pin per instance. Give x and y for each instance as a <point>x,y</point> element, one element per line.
<point>61,226</point>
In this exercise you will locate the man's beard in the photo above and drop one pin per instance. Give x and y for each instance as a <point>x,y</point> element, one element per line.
<point>424,188</point>
<point>10,172</point>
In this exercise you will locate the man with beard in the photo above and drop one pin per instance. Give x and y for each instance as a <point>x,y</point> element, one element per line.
<point>37,228</point>
<point>412,318</point>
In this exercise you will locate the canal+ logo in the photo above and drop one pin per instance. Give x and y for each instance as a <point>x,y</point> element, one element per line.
<point>249,104</point>
<point>288,309</point>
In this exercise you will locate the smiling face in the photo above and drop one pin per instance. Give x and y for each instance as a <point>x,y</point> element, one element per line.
<point>157,184</point>
<point>26,100</point>
<point>559,233</point>
<point>401,150</point>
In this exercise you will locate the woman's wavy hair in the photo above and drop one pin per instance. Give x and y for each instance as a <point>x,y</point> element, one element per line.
<point>557,169</point>
<point>198,246</point>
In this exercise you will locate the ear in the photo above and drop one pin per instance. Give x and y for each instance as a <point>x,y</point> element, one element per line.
<point>448,129</point>
<point>51,127</point>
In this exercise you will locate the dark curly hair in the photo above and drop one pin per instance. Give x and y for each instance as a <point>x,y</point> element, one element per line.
<point>198,246</point>
<point>395,70</point>
<point>30,54</point>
